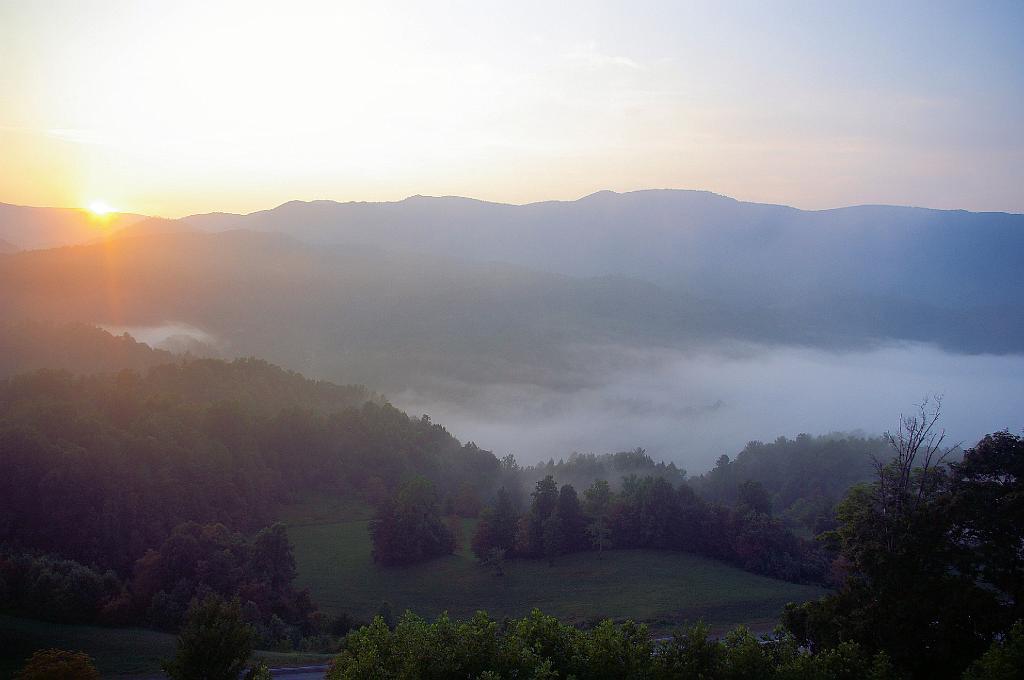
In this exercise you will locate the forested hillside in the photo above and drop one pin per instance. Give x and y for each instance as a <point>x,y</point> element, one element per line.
<point>121,485</point>
<point>801,479</point>
<point>103,467</point>
<point>388,320</point>
<point>75,347</point>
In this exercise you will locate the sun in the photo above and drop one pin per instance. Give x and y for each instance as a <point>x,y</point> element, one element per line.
<point>99,209</point>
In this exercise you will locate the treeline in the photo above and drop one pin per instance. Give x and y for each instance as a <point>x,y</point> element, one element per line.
<point>646,512</point>
<point>583,469</point>
<point>927,557</point>
<point>804,477</point>
<point>101,468</point>
<point>80,348</point>
<point>931,556</point>
<point>127,495</point>
<point>193,562</point>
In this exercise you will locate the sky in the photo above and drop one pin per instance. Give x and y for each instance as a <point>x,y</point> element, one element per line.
<point>177,108</point>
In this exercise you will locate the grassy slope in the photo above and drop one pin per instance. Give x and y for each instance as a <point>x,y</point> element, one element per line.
<point>660,588</point>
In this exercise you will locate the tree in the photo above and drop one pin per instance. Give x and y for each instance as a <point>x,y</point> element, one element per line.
<point>274,557</point>
<point>597,499</point>
<point>988,508</point>
<point>554,539</point>
<point>545,500</point>
<point>497,527</point>
<point>906,593</point>
<point>574,523</point>
<point>1004,660</point>
<point>58,664</point>
<point>753,498</point>
<point>214,644</point>
<point>600,535</point>
<point>408,528</point>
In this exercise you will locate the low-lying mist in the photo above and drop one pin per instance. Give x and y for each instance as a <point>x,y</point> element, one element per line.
<point>691,407</point>
<point>542,364</point>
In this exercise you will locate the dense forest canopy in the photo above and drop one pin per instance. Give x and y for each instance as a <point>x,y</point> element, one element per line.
<point>75,347</point>
<point>803,477</point>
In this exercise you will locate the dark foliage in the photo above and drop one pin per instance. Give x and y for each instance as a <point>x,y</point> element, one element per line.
<point>497,527</point>
<point>197,560</point>
<point>583,469</point>
<point>408,527</point>
<point>214,644</point>
<point>540,646</point>
<point>931,577</point>
<point>802,478</point>
<point>79,348</point>
<point>987,490</point>
<point>54,589</point>
<point>649,512</point>
<point>58,664</point>
<point>101,468</point>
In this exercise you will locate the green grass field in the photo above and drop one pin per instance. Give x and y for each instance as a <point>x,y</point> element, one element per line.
<point>663,589</point>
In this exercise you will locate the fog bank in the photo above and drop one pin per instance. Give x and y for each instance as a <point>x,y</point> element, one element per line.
<point>690,407</point>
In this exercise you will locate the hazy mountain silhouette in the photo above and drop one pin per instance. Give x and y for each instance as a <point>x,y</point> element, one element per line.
<point>714,266</point>
<point>380,318</point>
<point>27,227</point>
<point>681,238</point>
<point>544,363</point>
<point>833,276</point>
<point>7,247</point>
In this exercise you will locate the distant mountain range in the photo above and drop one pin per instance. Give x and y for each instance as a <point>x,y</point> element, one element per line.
<point>708,264</point>
<point>681,321</point>
<point>26,228</point>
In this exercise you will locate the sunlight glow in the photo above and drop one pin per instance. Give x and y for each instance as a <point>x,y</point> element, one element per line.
<point>99,209</point>
<point>818,106</point>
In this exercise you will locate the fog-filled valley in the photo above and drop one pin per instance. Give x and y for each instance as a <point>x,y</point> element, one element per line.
<point>587,340</point>
<point>689,407</point>
<point>683,322</point>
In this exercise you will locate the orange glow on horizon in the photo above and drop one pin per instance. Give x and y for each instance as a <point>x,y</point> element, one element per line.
<point>99,209</point>
<point>101,214</point>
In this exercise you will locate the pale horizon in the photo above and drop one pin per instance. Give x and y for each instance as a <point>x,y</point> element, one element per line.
<point>180,110</point>
<point>117,210</point>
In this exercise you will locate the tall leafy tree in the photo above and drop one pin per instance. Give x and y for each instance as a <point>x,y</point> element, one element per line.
<point>273,556</point>
<point>598,498</point>
<point>408,527</point>
<point>905,594</point>
<point>554,538</point>
<point>497,527</point>
<point>545,500</point>
<point>214,644</point>
<point>988,500</point>
<point>574,522</point>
